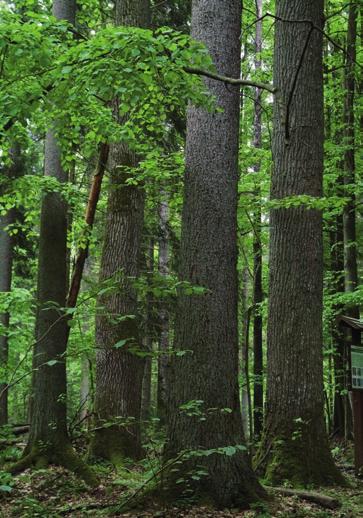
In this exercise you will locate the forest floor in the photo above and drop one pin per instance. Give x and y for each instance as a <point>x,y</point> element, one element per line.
<point>55,493</point>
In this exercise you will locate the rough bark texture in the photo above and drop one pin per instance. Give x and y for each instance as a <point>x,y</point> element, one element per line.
<point>295,444</point>
<point>119,373</point>
<point>207,324</point>
<point>6,263</point>
<point>257,247</point>
<point>48,437</point>
<point>164,312</point>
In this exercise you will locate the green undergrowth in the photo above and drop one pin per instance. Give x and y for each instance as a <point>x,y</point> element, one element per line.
<point>133,490</point>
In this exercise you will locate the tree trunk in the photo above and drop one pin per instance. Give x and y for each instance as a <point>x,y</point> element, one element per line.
<point>245,391</point>
<point>6,264</point>
<point>119,372</point>
<point>206,379</point>
<point>295,445</point>
<point>350,237</point>
<point>48,437</point>
<point>148,339</point>
<point>257,247</point>
<point>164,312</point>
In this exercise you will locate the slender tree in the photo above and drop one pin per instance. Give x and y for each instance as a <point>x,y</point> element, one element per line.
<point>48,439</point>
<point>295,444</point>
<point>350,234</point>
<point>205,379</point>
<point>119,372</point>
<point>257,245</point>
<point>6,262</point>
<point>164,312</point>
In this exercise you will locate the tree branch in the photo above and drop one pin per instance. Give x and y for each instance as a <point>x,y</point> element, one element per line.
<point>230,80</point>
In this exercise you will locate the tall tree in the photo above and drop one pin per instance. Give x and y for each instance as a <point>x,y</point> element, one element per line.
<point>295,444</point>
<point>257,244</point>
<point>350,234</point>
<point>164,312</point>
<point>119,372</point>
<point>206,324</point>
<point>48,439</point>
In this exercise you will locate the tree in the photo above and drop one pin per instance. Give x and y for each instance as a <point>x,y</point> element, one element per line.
<point>6,261</point>
<point>257,245</point>
<point>295,444</point>
<point>48,438</point>
<point>204,410</point>
<point>164,312</point>
<point>119,371</point>
<point>350,236</point>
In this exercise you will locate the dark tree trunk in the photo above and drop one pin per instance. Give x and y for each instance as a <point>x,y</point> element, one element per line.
<point>245,391</point>
<point>257,247</point>
<point>119,372</point>
<point>207,324</point>
<point>164,312</point>
<point>48,437</point>
<point>295,445</point>
<point>350,237</point>
<point>6,265</point>
<point>342,412</point>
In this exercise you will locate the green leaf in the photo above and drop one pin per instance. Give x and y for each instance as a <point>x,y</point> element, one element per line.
<point>120,343</point>
<point>6,489</point>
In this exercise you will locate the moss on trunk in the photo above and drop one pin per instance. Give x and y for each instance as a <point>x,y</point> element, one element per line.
<point>61,455</point>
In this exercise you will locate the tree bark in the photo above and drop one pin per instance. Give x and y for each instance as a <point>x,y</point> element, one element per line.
<point>295,445</point>
<point>119,372</point>
<point>207,377</point>
<point>257,247</point>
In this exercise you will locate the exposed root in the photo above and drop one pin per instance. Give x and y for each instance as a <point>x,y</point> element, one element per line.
<point>65,457</point>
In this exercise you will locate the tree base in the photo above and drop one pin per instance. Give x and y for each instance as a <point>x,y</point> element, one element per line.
<point>62,456</point>
<point>299,463</point>
<point>115,444</point>
<point>217,480</point>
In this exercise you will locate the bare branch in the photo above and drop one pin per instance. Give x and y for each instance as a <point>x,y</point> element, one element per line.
<point>230,80</point>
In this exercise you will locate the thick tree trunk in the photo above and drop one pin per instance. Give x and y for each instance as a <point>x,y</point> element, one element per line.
<point>164,312</point>
<point>6,264</point>
<point>119,372</point>
<point>48,437</point>
<point>295,444</point>
<point>257,247</point>
<point>206,324</point>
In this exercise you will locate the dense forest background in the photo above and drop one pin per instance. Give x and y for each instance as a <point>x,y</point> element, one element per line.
<point>180,236</point>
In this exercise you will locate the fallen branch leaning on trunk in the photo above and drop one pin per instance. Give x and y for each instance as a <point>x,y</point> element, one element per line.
<point>322,500</point>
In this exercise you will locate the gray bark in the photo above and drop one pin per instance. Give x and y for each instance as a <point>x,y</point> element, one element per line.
<point>295,444</point>
<point>119,373</point>
<point>207,324</point>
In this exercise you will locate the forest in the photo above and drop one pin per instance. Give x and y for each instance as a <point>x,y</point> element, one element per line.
<point>181,254</point>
